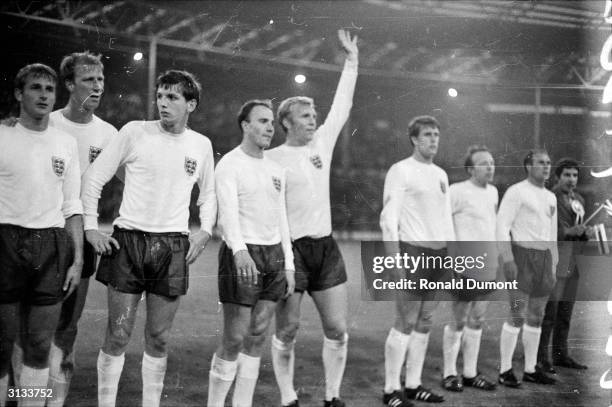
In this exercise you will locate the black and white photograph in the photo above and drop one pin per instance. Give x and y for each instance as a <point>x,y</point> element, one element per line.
<point>285,203</point>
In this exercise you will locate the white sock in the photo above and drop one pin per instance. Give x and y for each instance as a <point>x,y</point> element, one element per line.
<point>283,360</point>
<point>33,378</point>
<point>59,379</point>
<point>531,340</point>
<point>334,362</point>
<point>470,347</point>
<point>3,389</point>
<point>507,344</point>
<point>246,378</point>
<point>416,357</point>
<point>17,362</point>
<point>109,373</point>
<point>396,346</point>
<point>451,343</point>
<point>153,372</point>
<point>220,379</point>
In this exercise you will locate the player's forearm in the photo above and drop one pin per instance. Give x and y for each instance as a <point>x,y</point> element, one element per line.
<point>74,227</point>
<point>207,202</point>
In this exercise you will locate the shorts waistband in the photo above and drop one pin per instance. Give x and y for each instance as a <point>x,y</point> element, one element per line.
<point>17,227</point>
<point>156,234</point>
<point>312,239</point>
<point>529,249</point>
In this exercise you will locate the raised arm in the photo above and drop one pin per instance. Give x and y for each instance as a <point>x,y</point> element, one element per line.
<point>343,98</point>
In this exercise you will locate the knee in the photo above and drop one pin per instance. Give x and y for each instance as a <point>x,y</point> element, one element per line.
<point>156,341</point>
<point>424,323</point>
<point>404,324</point>
<point>475,322</point>
<point>335,329</point>
<point>118,339</point>
<point>288,332</point>
<point>516,321</point>
<point>534,321</point>
<point>36,351</point>
<point>457,325</point>
<point>232,345</point>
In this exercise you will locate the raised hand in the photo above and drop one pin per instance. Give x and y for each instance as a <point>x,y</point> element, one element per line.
<point>349,45</point>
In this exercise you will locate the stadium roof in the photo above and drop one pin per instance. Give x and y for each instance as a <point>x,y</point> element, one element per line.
<point>489,42</point>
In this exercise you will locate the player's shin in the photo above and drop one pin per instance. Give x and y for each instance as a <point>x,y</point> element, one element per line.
<point>246,379</point>
<point>153,372</point>
<point>109,372</point>
<point>334,362</point>
<point>283,360</point>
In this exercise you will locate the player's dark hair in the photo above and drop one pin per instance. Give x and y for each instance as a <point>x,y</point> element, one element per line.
<point>566,163</point>
<point>477,148</point>
<point>35,70</point>
<point>419,122</point>
<point>284,109</point>
<point>245,109</point>
<point>530,154</point>
<point>69,63</point>
<point>190,87</point>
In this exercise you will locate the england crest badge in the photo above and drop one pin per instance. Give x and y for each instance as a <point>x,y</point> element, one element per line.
<point>190,165</point>
<point>316,161</point>
<point>58,165</point>
<point>94,152</point>
<point>443,187</point>
<point>553,209</point>
<point>277,183</point>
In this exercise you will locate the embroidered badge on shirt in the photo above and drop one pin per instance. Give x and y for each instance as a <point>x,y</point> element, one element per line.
<point>94,152</point>
<point>443,187</point>
<point>190,165</point>
<point>316,161</point>
<point>59,165</point>
<point>277,183</point>
<point>553,208</point>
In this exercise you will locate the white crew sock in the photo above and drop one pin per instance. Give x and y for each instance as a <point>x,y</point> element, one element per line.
<point>246,379</point>
<point>3,390</point>
<point>153,372</point>
<point>220,379</point>
<point>470,347</point>
<point>451,343</point>
<point>17,362</point>
<point>283,361</point>
<point>59,379</point>
<point>109,373</point>
<point>507,344</point>
<point>396,346</point>
<point>416,357</point>
<point>531,340</point>
<point>334,362</point>
<point>33,378</point>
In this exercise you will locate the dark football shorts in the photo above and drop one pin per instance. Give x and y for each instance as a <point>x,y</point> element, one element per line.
<point>151,262</point>
<point>318,264</point>
<point>33,264</point>
<point>535,276</point>
<point>434,271</point>
<point>271,281</point>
